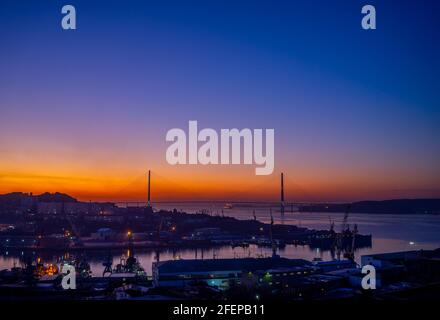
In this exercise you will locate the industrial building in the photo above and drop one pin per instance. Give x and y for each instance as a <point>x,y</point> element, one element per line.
<point>422,265</point>
<point>220,272</point>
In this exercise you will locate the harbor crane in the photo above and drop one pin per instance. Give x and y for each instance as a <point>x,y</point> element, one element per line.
<point>332,224</point>
<point>339,241</point>
<point>159,230</point>
<point>272,242</point>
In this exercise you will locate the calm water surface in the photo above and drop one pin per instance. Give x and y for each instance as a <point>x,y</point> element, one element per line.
<point>390,233</point>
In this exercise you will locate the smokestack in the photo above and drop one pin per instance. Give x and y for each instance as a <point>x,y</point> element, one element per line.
<point>148,202</point>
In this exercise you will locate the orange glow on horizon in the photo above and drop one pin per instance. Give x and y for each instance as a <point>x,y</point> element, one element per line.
<point>187,183</point>
<point>122,176</point>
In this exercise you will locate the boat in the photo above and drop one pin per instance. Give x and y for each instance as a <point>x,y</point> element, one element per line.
<point>228,206</point>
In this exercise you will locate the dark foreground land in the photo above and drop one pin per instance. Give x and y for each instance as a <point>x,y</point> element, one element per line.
<point>33,224</point>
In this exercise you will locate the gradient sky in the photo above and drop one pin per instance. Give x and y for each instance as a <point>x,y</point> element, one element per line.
<point>356,113</point>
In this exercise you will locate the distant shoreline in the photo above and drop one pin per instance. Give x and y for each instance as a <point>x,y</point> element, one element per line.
<point>399,206</point>
<point>394,206</point>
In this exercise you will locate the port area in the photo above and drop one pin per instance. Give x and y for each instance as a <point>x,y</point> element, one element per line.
<point>75,234</point>
<point>144,228</point>
<point>257,279</point>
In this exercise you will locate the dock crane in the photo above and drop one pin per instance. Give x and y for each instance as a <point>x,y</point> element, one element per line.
<point>108,265</point>
<point>340,236</point>
<point>159,230</point>
<point>344,225</point>
<point>272,242</point>
<point>349,254</point>
<point>332,224</point>
<point>332,232</point>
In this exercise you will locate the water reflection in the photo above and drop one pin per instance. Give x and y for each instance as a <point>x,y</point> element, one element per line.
<point>390,233</point>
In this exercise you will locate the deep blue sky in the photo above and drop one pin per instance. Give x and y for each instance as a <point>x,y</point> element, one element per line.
<point>360,105</point>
